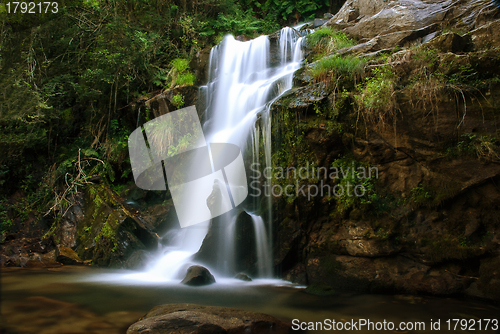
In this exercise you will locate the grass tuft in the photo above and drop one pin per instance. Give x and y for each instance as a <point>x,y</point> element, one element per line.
<point>335,66</point>
<point>326,40</point>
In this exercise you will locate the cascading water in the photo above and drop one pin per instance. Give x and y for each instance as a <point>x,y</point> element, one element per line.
<point>244,79</point>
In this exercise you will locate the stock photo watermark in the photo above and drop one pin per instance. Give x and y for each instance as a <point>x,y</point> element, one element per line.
<point>331,181</point>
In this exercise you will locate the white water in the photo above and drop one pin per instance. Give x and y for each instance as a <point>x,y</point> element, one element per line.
<point>242,85</point>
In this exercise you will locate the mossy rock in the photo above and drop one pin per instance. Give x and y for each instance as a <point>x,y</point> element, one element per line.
<point>109,233</point>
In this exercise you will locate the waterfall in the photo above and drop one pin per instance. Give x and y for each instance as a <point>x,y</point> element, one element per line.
<point>244,79</point>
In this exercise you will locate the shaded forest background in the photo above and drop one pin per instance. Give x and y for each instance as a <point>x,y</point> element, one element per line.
<point>67,78</point>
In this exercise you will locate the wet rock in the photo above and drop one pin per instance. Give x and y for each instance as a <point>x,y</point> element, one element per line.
<point>246,255</point>
<point>303,98</point>
<point>274,47</point>
<point>301,77</point>
<point>68,256</point>
<point>138,260</point>
<point>318,23</point>
<point>297,274</point>
<point>189,318</point>
<point>197,276</point>
<point>243,277</point>
<point>199,65</point>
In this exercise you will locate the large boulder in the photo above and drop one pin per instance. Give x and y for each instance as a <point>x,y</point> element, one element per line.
<point>197,276</point>
<point>199,319</point>
<point>212,251</point>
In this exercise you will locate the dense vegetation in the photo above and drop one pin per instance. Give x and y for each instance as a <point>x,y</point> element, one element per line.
<point>68,77</point>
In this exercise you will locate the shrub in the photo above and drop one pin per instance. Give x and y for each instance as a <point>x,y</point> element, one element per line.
<point>377,100</point>
<point>178,100</point>
<point>179,74</point>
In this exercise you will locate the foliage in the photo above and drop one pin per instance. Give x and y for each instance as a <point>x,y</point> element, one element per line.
<point>67,80</point>
<point>376,100</point>
<point>353,174</point>
<point>289,11</point>
<point>178,100</point>
<point>485,147</point>
<point>420,194</point>
<point>179,74</point>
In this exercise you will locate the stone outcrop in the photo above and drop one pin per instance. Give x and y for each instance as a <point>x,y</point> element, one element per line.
<point>381,24</point>
<point>189,318</point>
<point>431,223</point>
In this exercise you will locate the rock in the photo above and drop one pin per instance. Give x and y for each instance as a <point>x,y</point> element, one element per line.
<point>199,319</point>
<point>302,99</point>
<point>68,256</point>
<point>199,66</point>
<point>243,277</point>
<point>297,274</point>
<point>197,276</point>
<point>242,38</point>
<point>404,22</point>
<point>486,36</point>
<point>138,260</point>
<point>50,259</point>
<point>384,17</point>
<point>212,254</point>
<point>161,103</point>
<point>382,275</point>
<point>67,231</point>
<point>450,42</point>
<point>28,252</point>
<point>109,233</point>
<point>318,23</point>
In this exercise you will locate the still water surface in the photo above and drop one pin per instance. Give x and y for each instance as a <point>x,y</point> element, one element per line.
<point>75,299</point>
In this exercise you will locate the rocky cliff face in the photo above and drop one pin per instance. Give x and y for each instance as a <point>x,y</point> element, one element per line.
<point>425,114</point>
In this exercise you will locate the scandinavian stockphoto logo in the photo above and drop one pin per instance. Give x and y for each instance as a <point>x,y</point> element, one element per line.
<point>205,179</point>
